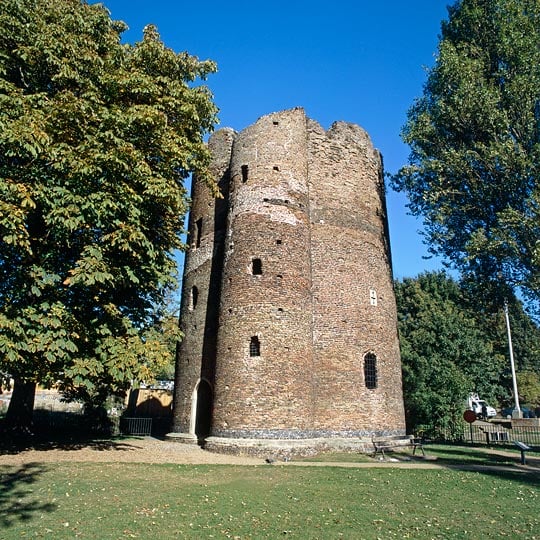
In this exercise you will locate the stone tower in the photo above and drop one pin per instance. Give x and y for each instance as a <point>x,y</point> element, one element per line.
<point>288,307</point>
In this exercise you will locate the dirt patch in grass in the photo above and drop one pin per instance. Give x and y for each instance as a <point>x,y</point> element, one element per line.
<point>129,450</point>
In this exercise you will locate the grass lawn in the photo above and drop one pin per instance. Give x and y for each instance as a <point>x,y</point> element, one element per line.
<point>445,454</point>
<point>99,501</point>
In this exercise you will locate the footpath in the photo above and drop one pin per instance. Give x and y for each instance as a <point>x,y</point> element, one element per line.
<point>150,450</point>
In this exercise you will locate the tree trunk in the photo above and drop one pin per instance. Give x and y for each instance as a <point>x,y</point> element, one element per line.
<point>21,407</point>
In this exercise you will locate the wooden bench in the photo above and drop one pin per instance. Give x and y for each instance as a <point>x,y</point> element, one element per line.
<point>523,448</point>
<point>389,444</point>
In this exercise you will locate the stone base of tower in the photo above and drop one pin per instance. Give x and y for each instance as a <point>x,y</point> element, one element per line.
<point>184,438</point>
<point>288,448</point>
<point>293,446</point>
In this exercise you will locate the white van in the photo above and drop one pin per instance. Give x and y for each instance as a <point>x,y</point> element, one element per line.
<point>480,407</point>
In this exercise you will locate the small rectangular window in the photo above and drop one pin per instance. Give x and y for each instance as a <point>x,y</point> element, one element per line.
<point>370,371</point>
<point>198,232</point>
<point>194,297</point>
<point>256,267</point>
<point>254,346</point>
<point>245,171</point>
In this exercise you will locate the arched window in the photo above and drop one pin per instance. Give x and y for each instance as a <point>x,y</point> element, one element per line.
<point>370,371</point>
<point>254,346</point>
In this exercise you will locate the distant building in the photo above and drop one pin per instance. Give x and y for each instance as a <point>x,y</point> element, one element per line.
<point>288,307</point>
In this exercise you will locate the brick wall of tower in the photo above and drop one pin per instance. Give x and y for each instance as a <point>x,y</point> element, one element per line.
<point>310,206</point>
<point>268,395</point>
<point>350,265</point>
<point>199,313</point>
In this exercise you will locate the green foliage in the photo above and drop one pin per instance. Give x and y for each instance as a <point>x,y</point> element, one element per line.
<point>488,310</point>
<point>170,335</point>
<point>96,140</point>
<point>474,167</point>
<point>525,342</point>
<point>452,344</point>
<point>445,352</point>
<point>529,387</point>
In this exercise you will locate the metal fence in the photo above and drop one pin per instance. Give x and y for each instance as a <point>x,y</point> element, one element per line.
<point>136,426</point>
<point>494,434</point>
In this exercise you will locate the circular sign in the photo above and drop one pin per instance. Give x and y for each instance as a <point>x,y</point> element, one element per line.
<point>469,416</point>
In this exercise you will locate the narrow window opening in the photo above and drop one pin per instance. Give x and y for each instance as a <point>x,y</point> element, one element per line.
<point>370,371</point>
<point>244,169</point>
<point>278,242</point>
<point>276,168</point>
<point>254,346</point>
<point>198,232</point>
<point>194,297</point>
<point>275,122</point>
<point>256,267</point>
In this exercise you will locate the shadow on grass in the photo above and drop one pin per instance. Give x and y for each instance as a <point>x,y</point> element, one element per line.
<point>17,445</point>
<point>504,472</point>
<point>520,476</point>
<point>64,437</point>
<point>16,502</point>
<point>492,462</point>
<point>495,462</point>
<point>472,455</point>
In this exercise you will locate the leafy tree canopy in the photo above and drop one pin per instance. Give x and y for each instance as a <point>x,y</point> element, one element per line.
<point>445,354</point>
<point>451,346</point>
<point>529,387</point>
<point>96,140</point>
<point>474,167</point>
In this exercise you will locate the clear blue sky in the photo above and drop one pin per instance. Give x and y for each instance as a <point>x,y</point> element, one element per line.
<point>357,61</point>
